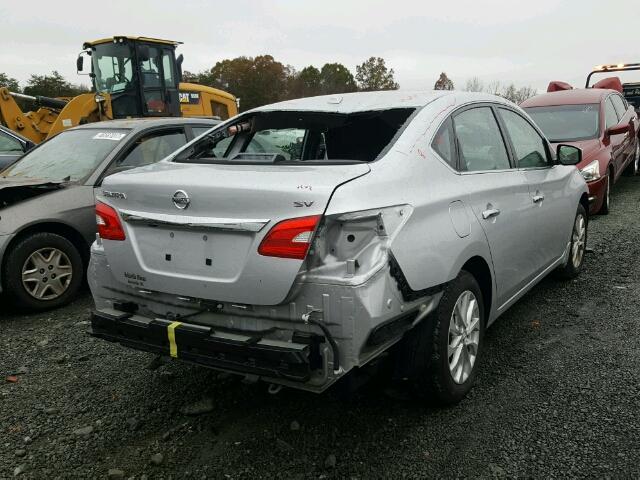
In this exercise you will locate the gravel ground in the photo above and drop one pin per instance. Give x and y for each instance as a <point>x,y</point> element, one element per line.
<point>558,396</point>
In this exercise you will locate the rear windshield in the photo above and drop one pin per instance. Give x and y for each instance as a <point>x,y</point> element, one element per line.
<point>562,123</point>
<point>294,137</point>
<point>69,156</point>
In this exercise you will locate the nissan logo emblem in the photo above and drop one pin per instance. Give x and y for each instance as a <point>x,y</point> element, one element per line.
<point>181,200</point>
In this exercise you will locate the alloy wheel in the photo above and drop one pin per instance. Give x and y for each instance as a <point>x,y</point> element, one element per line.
<point>578,240</point>
<point>47,274</point>
<point>464,336</point>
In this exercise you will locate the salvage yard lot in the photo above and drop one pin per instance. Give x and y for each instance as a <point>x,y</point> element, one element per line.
<point>558,395</point>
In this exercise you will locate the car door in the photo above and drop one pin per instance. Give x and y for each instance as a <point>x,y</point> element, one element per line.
<point>498,195</point>
<point>617,142</point>
<point>625,116</point>
<point>11,149</point>
<point>550,210</point>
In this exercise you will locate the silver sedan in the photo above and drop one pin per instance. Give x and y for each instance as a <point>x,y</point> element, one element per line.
<point>302,240</point>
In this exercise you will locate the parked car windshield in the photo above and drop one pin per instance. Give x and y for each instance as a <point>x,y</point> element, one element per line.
<point>69,156</point>
<point>284,136</point>
<point>562,123</point>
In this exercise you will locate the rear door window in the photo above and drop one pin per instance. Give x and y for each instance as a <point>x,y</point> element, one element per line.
<point>618,103</point>
<point>528,145</point>
<point>444,145</point>
<point>480,143</point>
<point>610,114</point>
<point>150,148</point>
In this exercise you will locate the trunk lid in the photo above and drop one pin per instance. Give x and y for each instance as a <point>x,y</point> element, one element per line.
<point>210,249</point>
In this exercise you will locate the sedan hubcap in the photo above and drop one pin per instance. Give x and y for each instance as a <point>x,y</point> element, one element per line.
<point>47,273</point>
<point>464,336</point>
<point>578,240</point>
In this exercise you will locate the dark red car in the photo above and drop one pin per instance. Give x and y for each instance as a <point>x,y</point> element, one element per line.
<point>599,121</point>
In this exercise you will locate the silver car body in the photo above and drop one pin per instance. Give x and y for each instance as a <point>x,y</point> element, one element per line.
<point>394,232</point>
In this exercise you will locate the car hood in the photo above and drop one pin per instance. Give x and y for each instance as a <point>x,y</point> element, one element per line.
<point>15,190</point>
<point>590,149</point>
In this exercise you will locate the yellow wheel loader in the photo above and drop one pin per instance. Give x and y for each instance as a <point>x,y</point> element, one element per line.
<point>131,77</point>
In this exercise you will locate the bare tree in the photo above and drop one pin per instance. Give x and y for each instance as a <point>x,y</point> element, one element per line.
<point>525,92</point>
<point>494,88</point>
<point>474,85</point>
<point>509,92</point>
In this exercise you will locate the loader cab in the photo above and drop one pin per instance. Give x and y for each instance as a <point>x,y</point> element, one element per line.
<point>140,75</point>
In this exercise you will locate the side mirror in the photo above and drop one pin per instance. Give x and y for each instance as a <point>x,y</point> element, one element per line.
<point>80,62</point>
<point>619,129</point>
<point>568,154</point>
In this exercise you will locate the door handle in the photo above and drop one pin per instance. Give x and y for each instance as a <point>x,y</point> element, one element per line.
<point>492,212</point>
<point>538,198</point>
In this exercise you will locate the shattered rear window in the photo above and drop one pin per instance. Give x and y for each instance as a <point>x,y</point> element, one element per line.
<point>271,137</point>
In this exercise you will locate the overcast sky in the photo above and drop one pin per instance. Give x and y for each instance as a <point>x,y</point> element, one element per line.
<point>525,42</point>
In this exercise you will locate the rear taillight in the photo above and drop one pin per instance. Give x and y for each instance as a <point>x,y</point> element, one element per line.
<point>289,238</point>
<point>109,226</point>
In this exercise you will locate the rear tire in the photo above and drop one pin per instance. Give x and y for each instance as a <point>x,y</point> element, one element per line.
<point>634,166</point>
<point>578,246</point>
<point>444,349</point>
<point>43,271</point>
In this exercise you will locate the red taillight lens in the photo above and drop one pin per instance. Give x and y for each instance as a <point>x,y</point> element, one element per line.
<point>290,238</point>
<point>109,226</point>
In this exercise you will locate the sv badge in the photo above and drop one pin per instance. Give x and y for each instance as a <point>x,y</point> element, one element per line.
<point>302,204</point>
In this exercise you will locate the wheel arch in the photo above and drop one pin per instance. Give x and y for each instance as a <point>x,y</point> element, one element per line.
<point>584,201</point>
<point>58,228</point>
<point>479,268</point>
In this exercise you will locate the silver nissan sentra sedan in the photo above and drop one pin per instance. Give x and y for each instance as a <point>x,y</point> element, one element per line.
<point>301,240</point>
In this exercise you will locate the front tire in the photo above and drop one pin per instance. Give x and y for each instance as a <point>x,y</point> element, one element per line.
<point>43,271</point>
<point>446,347</point>
<point>578,246</point>
<point>606,203</point>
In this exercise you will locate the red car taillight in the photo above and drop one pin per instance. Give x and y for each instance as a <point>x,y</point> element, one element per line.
<point>289,238</point>
<point>109,226</point>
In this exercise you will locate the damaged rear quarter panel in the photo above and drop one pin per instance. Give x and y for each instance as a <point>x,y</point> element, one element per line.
<point>427,248</point>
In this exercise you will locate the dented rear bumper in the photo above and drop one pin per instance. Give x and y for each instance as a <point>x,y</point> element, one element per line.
<point>322,332</point>
<point>349,303</point>
<point>207,346</point>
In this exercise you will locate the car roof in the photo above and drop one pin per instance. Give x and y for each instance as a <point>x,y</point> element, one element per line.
<point>356,102</point>
<point>370,101</point>
<point>144,123</point>
<point>576,96</point>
